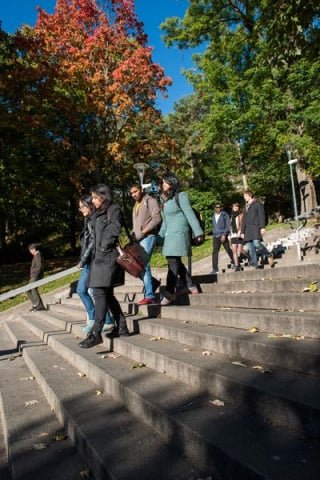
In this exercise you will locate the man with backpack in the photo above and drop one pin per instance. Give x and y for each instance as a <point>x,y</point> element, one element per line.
<point>146,221</point>
<point>221,229</point>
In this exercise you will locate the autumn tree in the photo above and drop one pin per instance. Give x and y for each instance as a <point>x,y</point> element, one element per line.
<point>80,88</point>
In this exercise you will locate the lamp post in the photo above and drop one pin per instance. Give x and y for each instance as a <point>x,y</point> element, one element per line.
<point>141,168</point>
<point>289,148</point>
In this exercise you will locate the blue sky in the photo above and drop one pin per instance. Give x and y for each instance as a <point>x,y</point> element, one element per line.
<point>14,13</point>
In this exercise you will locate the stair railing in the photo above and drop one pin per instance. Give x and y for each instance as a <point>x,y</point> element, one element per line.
<point>38,283</point>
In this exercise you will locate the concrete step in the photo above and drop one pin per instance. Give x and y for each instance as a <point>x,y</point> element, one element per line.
<point>283,398</point>
<point>232,446</point>
<point>119,445</point>
<point>282,323</point>
<point>262,285</point>
<point>299,356</point>
<point>250,299</point>
<point>36,442</point>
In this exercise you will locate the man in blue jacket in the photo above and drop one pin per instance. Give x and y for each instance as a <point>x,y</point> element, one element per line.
<point>221,228</point>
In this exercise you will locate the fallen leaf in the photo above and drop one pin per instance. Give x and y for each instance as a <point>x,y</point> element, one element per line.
<point>31,402</point>
<point>26,378</point>
<point>81,374</point>
<point>206,353</point>
<point>111,355</point>
<point>187,349</point>
<point>138,365</point>
<point>155,339</point>
<point>253,330</point>
<point>239,364</point>
<point>262,369</point>
<point>40,446</point>
<point>59,436</point>
<point>98,392</point>
<point>85,473</point>
<point>313,287</point>
<point>217,403</point>
<point>305,289</point>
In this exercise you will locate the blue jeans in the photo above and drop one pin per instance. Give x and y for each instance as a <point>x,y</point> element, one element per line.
<point>148,244</point>
<point>85,294</point>
<point>254,247</point>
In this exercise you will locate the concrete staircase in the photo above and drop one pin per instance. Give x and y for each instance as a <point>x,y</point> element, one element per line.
<point>222,385</point>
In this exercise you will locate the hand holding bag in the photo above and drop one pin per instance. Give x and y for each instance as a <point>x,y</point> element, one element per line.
<point>133,259</point>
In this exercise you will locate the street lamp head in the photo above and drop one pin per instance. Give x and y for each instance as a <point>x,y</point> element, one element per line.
<point>293,161</point>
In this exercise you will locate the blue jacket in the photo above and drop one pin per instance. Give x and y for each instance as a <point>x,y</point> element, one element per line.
<point>222,227</point>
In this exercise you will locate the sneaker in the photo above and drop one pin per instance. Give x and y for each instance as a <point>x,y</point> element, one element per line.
<point>87,328</point>
<point>194,291</point>
<point>214,272</point>
<point>147,301</point>
<point>107,326</point>
<point>167,299</point>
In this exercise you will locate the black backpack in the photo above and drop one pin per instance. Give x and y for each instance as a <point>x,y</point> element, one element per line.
<point>194,241</point>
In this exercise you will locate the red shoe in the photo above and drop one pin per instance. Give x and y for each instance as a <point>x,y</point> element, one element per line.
<point>147,301</point>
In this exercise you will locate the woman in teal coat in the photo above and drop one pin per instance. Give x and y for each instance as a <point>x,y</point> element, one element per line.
<point>178,218</point>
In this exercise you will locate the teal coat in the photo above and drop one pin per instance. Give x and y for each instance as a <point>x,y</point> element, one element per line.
<point>175,232</point>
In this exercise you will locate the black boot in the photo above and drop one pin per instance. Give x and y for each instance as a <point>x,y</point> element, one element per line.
<point>91,340</point>
<point>123,329</point>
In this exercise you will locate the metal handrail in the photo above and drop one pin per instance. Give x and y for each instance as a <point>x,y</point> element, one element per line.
<point>38,283</point>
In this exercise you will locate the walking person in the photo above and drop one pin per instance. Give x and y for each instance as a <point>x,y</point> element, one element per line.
<point>253,229</point>
<point>146,219</point>
<point>36,273</point>
<point>104,272</point>
<point>87,243</point>
<point>178,217</point>
<point>236,218</point>
<point>220,231</point>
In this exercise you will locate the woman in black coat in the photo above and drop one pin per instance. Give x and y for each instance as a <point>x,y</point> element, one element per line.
<point>105,273</point>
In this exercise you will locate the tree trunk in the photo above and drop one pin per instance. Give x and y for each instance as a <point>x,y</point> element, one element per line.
<point>306,188</point>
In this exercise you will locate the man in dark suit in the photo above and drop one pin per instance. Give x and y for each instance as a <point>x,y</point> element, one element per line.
<point>36,273</point>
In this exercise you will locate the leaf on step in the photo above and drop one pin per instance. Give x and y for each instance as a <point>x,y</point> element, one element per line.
<point>298,337</point>
<point>305,289</point>
<point>313,287</point>
<point>155,339</point>
<point>206,353</point>
<point>138,365</point>
<point>59,436</point>
<point>253,330</point>
<point>43,434</point>
<point>225,308</point>
<point>85,473</point>
<point>111,355</point>
<point>40,446</point>
<point>261,369</point>
<point>216,403</point>
<point>57,366</point>
<point>239,364</point>
<point>187,350</point>
<point>81,374</point>
<point>30,403</point>
<point>185,321</point>
<point>26,378</point>
<point>98,392</point>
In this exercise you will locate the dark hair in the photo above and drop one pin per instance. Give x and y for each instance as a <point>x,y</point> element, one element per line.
<point>32,246</point>
<point>104,192</point>
<point>248,192</point>
<point>172,180</point>
<point>86,200</point>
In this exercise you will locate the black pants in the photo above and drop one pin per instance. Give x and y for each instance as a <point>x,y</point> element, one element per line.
<point>104,299</point>
<point>216,247</point>
<point>35,298</point>
<point>177,269</point>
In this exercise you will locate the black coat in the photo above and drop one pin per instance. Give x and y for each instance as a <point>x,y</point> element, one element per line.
<point>86,241</point>
<point>104,271</point>
<point>254,219</point>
